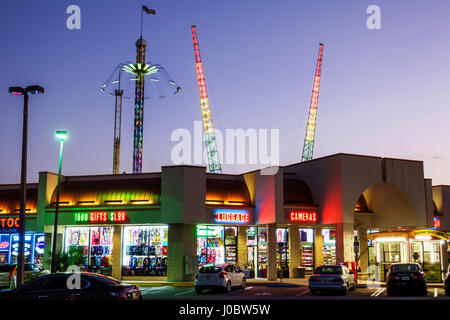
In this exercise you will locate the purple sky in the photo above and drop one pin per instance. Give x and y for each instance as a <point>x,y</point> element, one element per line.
<point>383,92</point>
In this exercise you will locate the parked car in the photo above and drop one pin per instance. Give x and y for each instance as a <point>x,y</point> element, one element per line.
<point>447,282</point>
<point>222,277</point>
<point>8,274</point>
<point>55,287</point>
<point>332,278</point>
<point>406,277</point>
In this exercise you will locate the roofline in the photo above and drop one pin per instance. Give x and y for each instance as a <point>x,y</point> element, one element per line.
<point>106,177</point>
<point>183,165</point>
<point>17,186</point>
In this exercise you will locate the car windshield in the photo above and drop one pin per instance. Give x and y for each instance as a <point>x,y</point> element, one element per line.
<point>405,267</point>
<point>210,269</point>
<point>329,270</point>
<point>104,279</point>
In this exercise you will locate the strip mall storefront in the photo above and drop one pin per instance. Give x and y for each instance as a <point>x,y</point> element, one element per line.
<point>426,247</point>
<point>9,243</point>
<point>110,238</point>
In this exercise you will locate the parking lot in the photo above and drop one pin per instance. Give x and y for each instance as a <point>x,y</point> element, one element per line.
<point>277,293</point>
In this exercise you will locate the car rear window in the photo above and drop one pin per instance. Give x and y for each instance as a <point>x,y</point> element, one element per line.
<point>103,279</point>
<point>7,267</point>
<point>329,270</point>
<point>211,269</point>
<point>405,267</point>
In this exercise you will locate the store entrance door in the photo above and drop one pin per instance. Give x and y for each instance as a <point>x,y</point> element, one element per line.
<point>428,255</point>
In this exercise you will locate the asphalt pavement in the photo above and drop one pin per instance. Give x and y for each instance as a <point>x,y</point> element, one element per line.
<point>277,293</point>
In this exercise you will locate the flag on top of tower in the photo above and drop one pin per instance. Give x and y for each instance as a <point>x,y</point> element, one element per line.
<point>149,11</point>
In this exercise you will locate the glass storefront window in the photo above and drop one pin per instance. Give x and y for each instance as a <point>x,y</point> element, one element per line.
<point>145,251</point>
<point>77,238</point>
<point>307,250</point>
<point>210,245</point>
<point>252,251</point>
<point>95,243</point>
<point>428,254</point>
<point>390,252</point>
<point>283,252</point>
<point>34,248</point>
<point>262,252</point>
<point>329,246</point>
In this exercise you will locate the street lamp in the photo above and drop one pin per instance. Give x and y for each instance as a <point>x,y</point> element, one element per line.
<point>61,136</point>
<point>19,91</point>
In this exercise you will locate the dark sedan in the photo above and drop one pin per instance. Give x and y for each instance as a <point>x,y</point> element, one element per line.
<point>406,277</point>
<point>58,286</point>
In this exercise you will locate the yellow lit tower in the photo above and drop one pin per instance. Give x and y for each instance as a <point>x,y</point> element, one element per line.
<point>308,146</point>
<point>210,136</point>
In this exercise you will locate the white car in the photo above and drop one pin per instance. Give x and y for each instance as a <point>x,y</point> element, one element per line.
<point>332,278</point>
<point>223,276</point>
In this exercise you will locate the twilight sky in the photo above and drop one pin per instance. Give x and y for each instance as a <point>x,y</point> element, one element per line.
<point>383,92</point>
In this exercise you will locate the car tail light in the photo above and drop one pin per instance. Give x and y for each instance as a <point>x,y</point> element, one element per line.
<point>223,274</point>
<point>418,276</point>
<point>337,280</point>
<point>392,276</point>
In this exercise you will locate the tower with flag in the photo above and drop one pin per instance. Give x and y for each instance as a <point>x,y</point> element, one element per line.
<point>138,140</point>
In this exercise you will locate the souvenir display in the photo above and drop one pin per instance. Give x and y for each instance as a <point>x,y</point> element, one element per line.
<point>145,250</point>
<point>306,250</point>
<point>97,246</point>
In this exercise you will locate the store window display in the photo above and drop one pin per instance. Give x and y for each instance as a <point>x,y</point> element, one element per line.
<point>210,245</point>
<point>216,244</point>
<point>145,251</point>
<point>329,246</point>
<point>307,250</point>
<point>96,243</point>
<point>252,252</point>
<point>282,252</point>
<point>262,252</point>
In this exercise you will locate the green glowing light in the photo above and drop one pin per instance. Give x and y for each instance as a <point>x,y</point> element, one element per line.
<point>61,135</point>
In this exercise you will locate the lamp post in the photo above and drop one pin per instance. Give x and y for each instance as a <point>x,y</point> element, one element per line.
<point>19,91</point>
<point>61,136</point>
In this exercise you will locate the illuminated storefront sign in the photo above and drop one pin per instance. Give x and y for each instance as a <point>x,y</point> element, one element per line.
<point>437,222</point>
<point>7,223</point>
<point>232,216</point>
<point>100,217</point>
<point>428,234</point>
<point>303,216</point>
<point>4,245</point>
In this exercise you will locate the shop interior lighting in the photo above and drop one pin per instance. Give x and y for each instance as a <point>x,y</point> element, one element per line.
<point>145,201</point>
<point>18,210</point>
<point>422,237</point>
<point>114,201</point>
<point>86,202</point>
<point>61,203</point>
<point>215,202</point>
<point>390,239</point>
<point>236,203</point>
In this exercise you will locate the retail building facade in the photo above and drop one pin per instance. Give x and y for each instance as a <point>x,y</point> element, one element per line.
<point>337,209</point>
